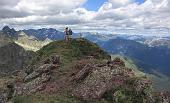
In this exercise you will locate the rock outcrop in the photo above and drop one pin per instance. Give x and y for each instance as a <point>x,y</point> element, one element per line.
<point>95,80</point>
<point>36,80</point>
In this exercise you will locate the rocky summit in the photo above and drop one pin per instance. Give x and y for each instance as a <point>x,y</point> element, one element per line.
<point>78,72</point>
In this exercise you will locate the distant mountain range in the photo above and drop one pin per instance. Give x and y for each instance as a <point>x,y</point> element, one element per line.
<point>157,57</point>
<point>158,42</point>
<point>31,40</point>
<point>44,33</point>
<point>150,53</point>
<point>53,34</point>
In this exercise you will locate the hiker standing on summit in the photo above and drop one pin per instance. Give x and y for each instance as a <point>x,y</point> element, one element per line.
<point>68,33</point>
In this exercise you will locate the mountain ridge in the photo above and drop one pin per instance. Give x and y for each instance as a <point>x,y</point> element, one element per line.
<point>144,53</point>
<point>79,71</point>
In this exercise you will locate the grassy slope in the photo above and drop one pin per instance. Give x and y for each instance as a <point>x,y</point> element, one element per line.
<point>77,49</point>
<point>160,83</point>
<point>130,64</point>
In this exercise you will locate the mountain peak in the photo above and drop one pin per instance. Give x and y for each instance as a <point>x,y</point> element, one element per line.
<point>77,48</point>
<point>10,32</point>
<point>5,28</point>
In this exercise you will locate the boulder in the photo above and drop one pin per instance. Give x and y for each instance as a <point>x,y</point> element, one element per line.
<point>29,69</point>
<point>54,59</point>
<point>116,61</point>
<point>83,73</point>
<point>47,61</point>
<point>46,68</point>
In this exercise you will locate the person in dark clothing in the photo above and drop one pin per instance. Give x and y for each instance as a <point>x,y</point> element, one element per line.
<point>66,31</point>
<point>70,33</point>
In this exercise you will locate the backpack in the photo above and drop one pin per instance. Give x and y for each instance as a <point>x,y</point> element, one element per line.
<point>70,32</point>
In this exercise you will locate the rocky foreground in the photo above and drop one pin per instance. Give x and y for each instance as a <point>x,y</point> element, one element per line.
<point>79,72</point>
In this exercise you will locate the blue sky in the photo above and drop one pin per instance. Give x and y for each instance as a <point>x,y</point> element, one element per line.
<point>140,1</point>
<point>94,5</point>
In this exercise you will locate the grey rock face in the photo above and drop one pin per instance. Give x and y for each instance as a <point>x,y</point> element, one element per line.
<point>13,57</point>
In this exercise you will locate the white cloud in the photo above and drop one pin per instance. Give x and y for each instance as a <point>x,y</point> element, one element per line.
<point>114,15</point>
<point>151,14</point>
<point>48,6</point>
<point>118,3</point>
<point>7,3</point>
<point>37,7</point>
